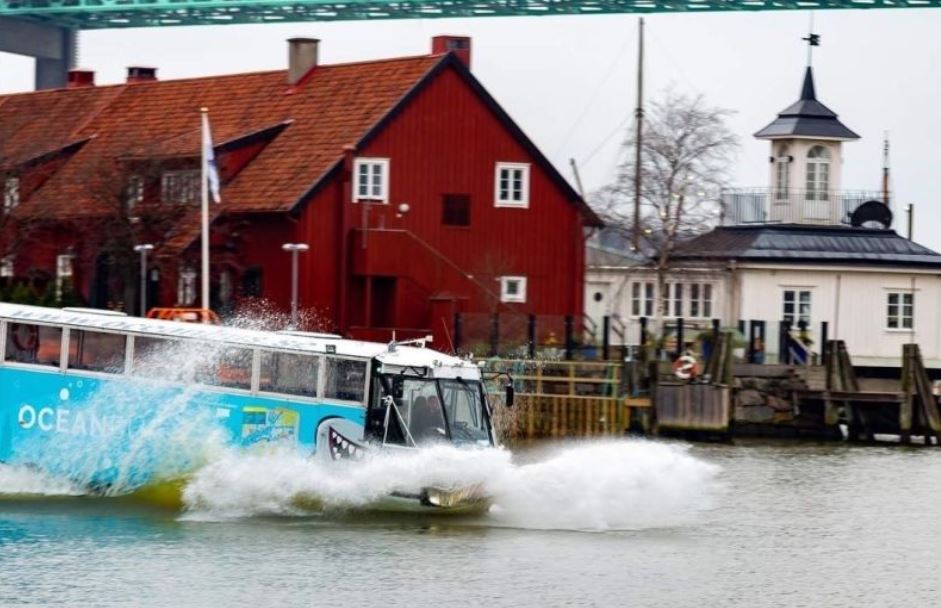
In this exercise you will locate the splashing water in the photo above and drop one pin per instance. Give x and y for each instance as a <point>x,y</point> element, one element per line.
<point>23,481</point>
<point>597,486</point>
<point>115,437</point>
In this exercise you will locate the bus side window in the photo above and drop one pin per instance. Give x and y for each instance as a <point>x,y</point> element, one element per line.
<point>156,358</point>
<point>230,367</point>
<point>97,351</point>
<point>290,374</point>
<point>37,344</point>
<point>346,379</point>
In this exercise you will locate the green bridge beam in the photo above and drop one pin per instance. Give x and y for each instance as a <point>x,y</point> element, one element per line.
<point>102,14</point>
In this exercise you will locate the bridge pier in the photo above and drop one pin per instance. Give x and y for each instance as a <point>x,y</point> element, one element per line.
<point>54,47</point>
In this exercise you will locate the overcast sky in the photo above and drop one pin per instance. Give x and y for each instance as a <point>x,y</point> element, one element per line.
<point>570,81</point>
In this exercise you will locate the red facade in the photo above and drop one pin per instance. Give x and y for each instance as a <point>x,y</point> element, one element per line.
<point>439,243</point>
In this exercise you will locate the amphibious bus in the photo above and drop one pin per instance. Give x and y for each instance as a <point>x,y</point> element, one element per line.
<point>117,402</point>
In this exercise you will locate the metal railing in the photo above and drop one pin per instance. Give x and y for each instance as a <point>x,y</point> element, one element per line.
<point>770,206</point>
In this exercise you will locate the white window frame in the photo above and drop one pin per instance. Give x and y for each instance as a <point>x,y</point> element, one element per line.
<point>510,201</point>
<point>796,314</point>
<point>643,297</point>
<point>7,267</point>
<point>64,270</point>
<point>11,194</point>
<point>520,296</point>
<point>899,307</point>
<point>186,287</point>
<point>372,165</point>
<point>818,174</point>
<point>673,304</point>
<point>700,300</point>
<point>782,178</point>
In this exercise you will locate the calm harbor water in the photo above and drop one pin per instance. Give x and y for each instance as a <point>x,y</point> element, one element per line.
<point>587,525</point>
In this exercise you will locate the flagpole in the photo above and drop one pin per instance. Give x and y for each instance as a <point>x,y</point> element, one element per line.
<point>204,191</point>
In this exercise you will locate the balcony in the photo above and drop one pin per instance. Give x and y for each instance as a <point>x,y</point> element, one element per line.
<point>767,206</point>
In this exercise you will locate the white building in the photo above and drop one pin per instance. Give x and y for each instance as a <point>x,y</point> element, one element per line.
<point>801,250</point>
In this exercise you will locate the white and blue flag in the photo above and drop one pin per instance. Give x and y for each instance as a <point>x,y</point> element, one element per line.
<point>212,172</point>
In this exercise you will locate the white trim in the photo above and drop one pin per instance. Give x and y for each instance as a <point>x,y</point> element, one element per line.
<point>517,298</point>
<point>900,305</point>
<point>523,203</point>
<point>371,162</point>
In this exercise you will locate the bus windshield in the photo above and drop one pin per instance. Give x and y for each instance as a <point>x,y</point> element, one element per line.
<point>428,410</point>
<point>465,411</point>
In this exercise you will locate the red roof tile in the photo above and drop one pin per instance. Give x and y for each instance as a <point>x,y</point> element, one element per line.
<point>332,107</point>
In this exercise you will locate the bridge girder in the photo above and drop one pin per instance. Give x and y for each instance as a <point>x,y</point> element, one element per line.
<point>105,14</point>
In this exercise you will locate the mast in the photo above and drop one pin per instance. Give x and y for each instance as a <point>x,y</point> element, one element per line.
<point>885,169</point>
<point>638,139</point>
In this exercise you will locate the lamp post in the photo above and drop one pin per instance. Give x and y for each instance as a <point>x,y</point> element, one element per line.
<point>142,250</point>
<point>294,248</point>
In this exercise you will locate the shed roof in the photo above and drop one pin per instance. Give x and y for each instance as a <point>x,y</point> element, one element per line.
<point>806,244</point>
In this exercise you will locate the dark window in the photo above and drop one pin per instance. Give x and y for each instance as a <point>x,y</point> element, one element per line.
<point>39,344</point>
<point>346,379</point>
<point>96,351</point>
<point>290,374</point>
<point>251,282</point>
<point>231,367</point>
<point>456,210</point>
<point>156,358</point>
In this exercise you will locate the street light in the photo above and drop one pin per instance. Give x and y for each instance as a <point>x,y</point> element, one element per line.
<point>294,248</point>
<point>142,250</point>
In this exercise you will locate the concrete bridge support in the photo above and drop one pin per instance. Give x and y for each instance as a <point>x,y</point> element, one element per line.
<point>54,47</point>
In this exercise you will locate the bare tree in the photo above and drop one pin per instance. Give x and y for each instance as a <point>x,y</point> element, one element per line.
<point>124,197</point>
<point>686,152</point>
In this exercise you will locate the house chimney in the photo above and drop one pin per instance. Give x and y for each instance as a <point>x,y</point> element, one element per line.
<point>141,74</point>
<point>460,45</point>
<point>80,78</point>
<point>302,57</point>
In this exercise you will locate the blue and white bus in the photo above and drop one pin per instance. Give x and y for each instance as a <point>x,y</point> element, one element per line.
<point>117,402</point>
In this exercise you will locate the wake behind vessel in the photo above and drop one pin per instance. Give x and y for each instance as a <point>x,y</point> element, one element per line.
<point>117,403</point>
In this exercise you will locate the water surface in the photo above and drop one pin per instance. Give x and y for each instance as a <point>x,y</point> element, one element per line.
<point>768,525</point>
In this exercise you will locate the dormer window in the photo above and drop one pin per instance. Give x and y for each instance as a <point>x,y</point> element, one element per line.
<point>371,180</point>
<point>135,192</point>
<point>180,187</point>
<point>11,194</point>
<point>6,267</point>
<point>818,174</point>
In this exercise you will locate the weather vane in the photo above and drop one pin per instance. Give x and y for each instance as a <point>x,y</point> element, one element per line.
<point>812,40</point>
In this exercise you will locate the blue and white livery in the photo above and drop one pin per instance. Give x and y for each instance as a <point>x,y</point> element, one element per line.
<point>117,403</point>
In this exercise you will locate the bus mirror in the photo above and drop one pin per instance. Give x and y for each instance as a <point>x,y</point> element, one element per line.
<point>510,395</point>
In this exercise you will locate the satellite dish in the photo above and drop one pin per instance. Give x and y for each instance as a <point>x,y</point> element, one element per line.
<point>871,213</point>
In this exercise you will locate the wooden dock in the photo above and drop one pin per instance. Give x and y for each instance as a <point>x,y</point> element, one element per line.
<point>559,399</point>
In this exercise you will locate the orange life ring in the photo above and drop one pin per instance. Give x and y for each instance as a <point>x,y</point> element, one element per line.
<point>686,367</point>
<point>30,341</point>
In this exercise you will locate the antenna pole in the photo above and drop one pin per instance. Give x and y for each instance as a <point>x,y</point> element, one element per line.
<point>885,169</point>
<point>911,220</point>
<point>578,178</point>
<point>638,139</point>
<point>812,40</point>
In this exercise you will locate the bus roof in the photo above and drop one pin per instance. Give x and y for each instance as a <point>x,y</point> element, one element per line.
<point>401,355</point>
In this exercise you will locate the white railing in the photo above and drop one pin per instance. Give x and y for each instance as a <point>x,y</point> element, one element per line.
<point>768,206</point>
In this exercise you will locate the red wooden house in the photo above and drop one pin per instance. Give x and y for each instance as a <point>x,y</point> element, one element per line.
<point>417,194</point>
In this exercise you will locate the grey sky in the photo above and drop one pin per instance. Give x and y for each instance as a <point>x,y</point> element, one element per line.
<point>570,81</point>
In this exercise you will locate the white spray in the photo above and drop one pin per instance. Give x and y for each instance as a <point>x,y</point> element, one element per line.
<point>593,486</point>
